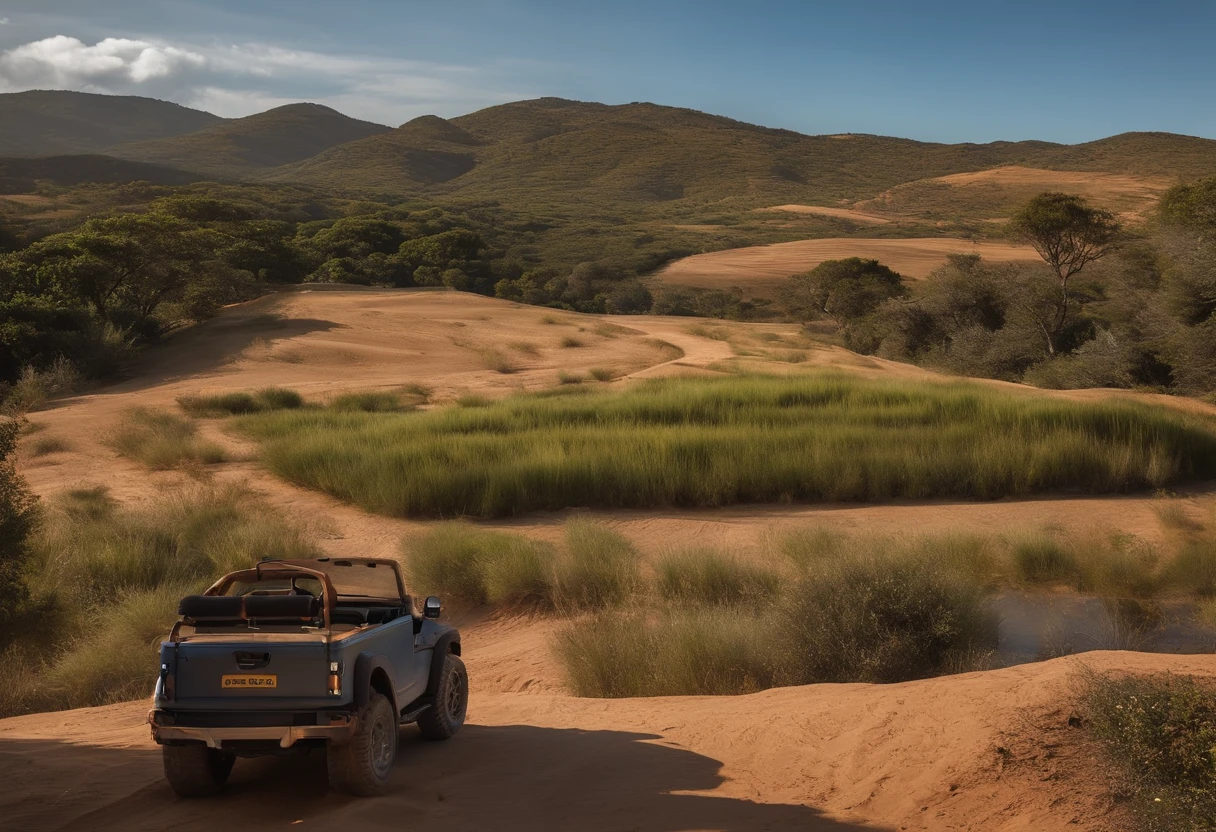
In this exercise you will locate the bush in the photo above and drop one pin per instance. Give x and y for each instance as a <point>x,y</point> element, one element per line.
<point>162,440</point>
<point>1042,559</point>
<point>706,576</point>
<point>885,619</point>
<point>686,652</point>
<point>34,387</point>
<point>1160,733</point>
<point>234,404</point>
<point>600,568</point>
<point>18,516</point>
<point>602,374</point>
<point>461,562</point>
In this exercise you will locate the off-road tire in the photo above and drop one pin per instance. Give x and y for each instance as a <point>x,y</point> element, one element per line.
<point>444,718</point>
<point>363,766</point>
<point>194,770</point>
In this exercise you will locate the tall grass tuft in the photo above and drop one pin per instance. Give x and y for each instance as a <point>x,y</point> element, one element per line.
<point>235,404</point>
<point>709,577</point>
<point>370,401</point>
<point>1042,559</point>
<point>600,568</point>
<point>1159,732</point>
<point>475,566</point>
<point>162,440</point>
<point>711,442</point>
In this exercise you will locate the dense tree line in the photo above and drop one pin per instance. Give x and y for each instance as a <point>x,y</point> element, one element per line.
<point>1108,307</point>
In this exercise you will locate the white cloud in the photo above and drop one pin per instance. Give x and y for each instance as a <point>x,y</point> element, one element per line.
<point>4,21</point>
<point>239,79</point>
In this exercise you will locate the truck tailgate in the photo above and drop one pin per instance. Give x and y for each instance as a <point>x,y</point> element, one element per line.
<point>251,671</point>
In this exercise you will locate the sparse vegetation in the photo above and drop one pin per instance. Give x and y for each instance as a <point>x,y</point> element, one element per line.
<point>104,582</point>
<point>567,377</point>
<point>1159,732</point>
<point>47,445</point>
<point>570,342</point>
<point>162,440</point>
<point>18,514</point>
<point>602,373</point>
<point>680,442</point>
<point>370,401</point>
<point>494,360</point>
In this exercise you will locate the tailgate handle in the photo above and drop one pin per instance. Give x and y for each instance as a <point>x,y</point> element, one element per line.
<point>251,661</point>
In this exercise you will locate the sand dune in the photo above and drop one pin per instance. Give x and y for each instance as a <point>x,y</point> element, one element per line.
<point>760,269</point>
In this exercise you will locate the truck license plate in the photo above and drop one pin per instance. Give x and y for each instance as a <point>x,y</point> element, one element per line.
<point>249,681</point>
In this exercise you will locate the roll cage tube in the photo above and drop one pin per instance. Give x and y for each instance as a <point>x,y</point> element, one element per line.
<point>277,570</point>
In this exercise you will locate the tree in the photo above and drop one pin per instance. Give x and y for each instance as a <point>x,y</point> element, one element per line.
<point>1069,235</point>
<point>18,515</point>
<point>844,290</point>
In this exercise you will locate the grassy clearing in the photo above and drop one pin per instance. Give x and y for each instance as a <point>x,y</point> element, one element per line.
<point>697,442</point>
<point>105,582</point>
<point>235,404</point>
<point>162,440</point>
<point>1159,732</point>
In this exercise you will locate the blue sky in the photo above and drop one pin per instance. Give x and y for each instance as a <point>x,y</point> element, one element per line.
<point>937,71</point>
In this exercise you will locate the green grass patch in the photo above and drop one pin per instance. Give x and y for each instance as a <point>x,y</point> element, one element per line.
<point>1159,732</point>
<point>749,439</point>
<point>705,576</point>
<point>235,404</point>
<point>162,440</point>
<point>371,401</point>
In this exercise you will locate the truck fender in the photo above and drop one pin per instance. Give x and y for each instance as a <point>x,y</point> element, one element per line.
<point>365,665</point>
<point>448,642</point>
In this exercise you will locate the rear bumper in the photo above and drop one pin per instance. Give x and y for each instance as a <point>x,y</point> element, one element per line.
<point>338,729</point>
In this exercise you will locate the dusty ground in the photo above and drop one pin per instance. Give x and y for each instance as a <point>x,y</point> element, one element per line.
<point>759,270</point>
<point>924,755</point>
<point>824,211</point>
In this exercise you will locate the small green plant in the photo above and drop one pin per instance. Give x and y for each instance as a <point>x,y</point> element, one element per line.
<point>496,361</point>
<point>602,374</point>
<point>162,440</point>
<point>473,400</point>
<point>566,377</point>
<point>1159,733</point>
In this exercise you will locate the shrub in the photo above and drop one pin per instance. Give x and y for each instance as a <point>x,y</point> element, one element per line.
<point>1042,559</point>
<point>34,387</point>
<point>162,440</point>
<point>235,404</point>
<point>564,377</point>
<point>461,562</point>
<point>569,341</point>
<point>1194,567</point>
<point>47,445</point>
<point>496,361</point>
<point>18,516</point>
<point>686,652</point>
<point>1160,734</point>
<point>602,374</point>
<point>706,576</point>
<point>600,568</point>
<point>885,619</point>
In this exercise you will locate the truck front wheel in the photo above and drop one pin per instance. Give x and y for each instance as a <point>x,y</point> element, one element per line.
<point>444,718</point>
<point>195,770</point>
<point>363,765</point>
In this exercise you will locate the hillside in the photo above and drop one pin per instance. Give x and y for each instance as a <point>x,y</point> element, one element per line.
<point>286,134</point>
<point>55,122</point>
<point>22,175</point>
<point>555,154</point>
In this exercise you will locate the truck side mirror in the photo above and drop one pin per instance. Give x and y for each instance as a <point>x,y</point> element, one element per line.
<point>431,607</point>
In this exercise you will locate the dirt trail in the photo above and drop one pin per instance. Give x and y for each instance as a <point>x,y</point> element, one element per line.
<point>983,751</point>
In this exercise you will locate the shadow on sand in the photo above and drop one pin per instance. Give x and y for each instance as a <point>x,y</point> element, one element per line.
<point>488,778</point>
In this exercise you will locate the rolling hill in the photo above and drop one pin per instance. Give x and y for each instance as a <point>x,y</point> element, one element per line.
<point>277,137</point>
<point>21,175</point>
<point>556,154</point>
<point>56,122</point>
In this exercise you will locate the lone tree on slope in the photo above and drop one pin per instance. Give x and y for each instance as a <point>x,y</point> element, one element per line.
<point>1068,234</point>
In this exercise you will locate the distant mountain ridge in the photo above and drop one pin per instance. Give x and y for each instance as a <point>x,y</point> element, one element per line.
<point>552,154</point>
<point>57,122</point>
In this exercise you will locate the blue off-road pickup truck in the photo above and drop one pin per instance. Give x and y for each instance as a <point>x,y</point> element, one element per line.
<point>299,654</point>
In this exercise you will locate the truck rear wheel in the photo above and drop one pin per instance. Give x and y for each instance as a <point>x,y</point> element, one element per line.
<point>363,765</point>
<point>444,718</point>
<point>195,770</point>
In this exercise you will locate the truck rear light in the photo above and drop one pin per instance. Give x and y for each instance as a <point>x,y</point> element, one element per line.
<point>335,678</point>
<point>168,684</point>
